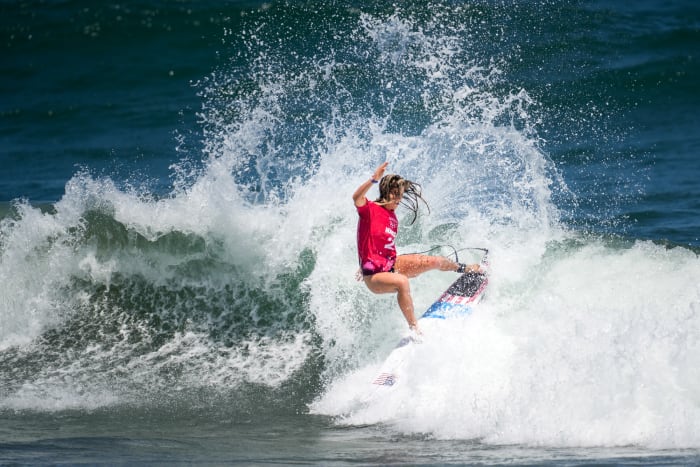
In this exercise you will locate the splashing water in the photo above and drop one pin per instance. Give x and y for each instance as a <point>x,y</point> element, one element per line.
<point>243,274</point>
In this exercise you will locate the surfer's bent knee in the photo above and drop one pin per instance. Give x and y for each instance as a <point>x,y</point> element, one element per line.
<point>386,282</point>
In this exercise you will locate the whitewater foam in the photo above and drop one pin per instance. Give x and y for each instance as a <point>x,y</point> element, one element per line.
<point>243,273</point>
<point>595,347</point>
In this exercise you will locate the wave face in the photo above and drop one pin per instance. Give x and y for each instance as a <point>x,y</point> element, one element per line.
<point>235,288</point>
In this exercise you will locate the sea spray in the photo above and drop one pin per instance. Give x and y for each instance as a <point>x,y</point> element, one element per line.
<point>498,378</point>
<point>238,286</point>
<point>136,295</point>
<point>251,255</point>
<point>594,346</point>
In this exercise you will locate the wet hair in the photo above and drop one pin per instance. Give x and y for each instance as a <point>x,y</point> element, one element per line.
<point>412,193</point>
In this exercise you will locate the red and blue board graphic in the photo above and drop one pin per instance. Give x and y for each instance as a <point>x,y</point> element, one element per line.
<point>459,297</point>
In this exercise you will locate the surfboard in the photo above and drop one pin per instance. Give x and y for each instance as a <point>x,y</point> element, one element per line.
<point>458,300</point>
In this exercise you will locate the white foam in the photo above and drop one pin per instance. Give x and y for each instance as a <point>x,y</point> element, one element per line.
<point>595,347</point>
<point>580,342</point>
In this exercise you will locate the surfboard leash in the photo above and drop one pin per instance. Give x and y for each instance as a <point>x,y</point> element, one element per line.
<point>454,252</point>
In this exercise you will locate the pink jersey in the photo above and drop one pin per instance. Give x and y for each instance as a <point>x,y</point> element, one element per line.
<point>376,232</point>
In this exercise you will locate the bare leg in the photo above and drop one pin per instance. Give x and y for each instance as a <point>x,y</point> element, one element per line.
<point>390,282</point>
<point>408,266</point>
<point>414,265</point>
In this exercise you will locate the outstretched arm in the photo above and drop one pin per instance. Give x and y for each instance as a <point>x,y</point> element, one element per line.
<point>359,196</point>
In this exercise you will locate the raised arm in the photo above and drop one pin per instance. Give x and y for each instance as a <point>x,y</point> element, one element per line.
<point>359,197</point>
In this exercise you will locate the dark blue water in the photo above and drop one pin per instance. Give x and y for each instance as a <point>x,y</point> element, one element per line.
<point>113,89</point>
<point>176,243</point>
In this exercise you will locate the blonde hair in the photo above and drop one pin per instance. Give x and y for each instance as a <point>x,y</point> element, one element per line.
<point>412,193</point>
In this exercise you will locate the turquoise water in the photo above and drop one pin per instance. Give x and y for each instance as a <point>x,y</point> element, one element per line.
<point>177,237</point>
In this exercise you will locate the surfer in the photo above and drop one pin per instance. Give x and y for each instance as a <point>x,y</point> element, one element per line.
<point>382,270</point>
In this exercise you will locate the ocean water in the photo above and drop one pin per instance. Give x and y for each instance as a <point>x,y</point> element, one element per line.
<point>177,250</point>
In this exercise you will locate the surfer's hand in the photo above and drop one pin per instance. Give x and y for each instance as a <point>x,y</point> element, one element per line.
<point>379,173</point>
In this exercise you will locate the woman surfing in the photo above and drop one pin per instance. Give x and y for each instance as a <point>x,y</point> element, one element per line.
<point>382,270</point>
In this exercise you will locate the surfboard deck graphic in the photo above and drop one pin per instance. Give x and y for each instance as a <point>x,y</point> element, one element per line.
<point>458,300</point>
